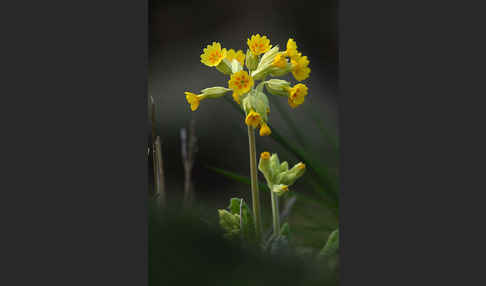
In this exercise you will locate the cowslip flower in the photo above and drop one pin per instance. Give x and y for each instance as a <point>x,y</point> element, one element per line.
<point>258,45</point>
<point>264,129</point>
<point>240,82</point>
<point>193,99</point>
<point>236,97</point>
<point>300,69</point>
<point>280,61</point>
<point>253,119</point>
<point>297,95</point>
<point>213,55</point>
<point>291,51</point>
<point>238,55</point>
<point>210,92</point>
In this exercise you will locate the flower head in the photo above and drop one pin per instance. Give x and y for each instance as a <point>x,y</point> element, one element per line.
<point>297,95</point>
<point>239,56</point>
<point>240,82</point>
<point>258,45</point>
<point>253,119</point>
<point>280,61</point>
<point>193,99</point>
<point>300,68</point>
<point>213,55</point>
<point>264,129</point>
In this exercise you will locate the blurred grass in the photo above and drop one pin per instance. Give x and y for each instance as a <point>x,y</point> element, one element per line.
<point>186,250</point>
<point>327,182</point>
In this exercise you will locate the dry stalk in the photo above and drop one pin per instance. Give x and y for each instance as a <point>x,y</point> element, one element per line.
<point>189,148</point>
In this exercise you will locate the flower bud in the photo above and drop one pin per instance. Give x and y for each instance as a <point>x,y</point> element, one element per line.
<point>264,129</point>
<point>280,189</point>
<point>276,71</point>
<point>251,60</point>
<point>289,177</point>
<point>224,66</point>
<point>266,64</point>
<point>264,167</point>
<point>214,92</point>
<point>278,87</point>
<point>275,164</point>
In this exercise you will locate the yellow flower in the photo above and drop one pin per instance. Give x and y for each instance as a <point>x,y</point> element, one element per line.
<point>297,95</point>
<point>240,82</point>
<point>280,61</point>
<point>236,97</point>
<point>292,49</point>
<point>264,129</point>
<point>258,45</point>
<point>265,155</point>
<point>213,55</point>
<point>193,99</point>
<point>300,68</point>
<point>253,119</point>
<point>239,56</point>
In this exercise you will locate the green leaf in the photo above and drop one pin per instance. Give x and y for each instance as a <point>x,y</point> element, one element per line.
<point>332,245</point>
<point>234,205</point>
<point>237,177</point>
<point>247,225</point>
<point>285,230</point>
<point>238,220</point>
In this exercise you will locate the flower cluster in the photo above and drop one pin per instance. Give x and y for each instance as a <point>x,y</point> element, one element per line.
<point>262,61</point>
<point>278,175</point>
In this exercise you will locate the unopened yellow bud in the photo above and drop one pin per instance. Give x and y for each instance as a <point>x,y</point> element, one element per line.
<point>265,155</point>
<point>265,130</point>
<point>253,119</point>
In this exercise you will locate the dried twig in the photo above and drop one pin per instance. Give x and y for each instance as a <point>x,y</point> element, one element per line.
<point>158,168</point>
<point>159,171</point>
<point>189,148</point>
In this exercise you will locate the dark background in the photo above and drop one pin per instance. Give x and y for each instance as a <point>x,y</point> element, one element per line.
<point>179,30</point>
<point>75,204</point>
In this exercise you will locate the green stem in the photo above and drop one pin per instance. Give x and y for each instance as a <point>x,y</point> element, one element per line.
<point>255,195</point>
<point>275,214</point>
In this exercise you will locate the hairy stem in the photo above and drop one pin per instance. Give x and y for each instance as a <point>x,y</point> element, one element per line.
<point>255,195</point>
<point>275,214</point>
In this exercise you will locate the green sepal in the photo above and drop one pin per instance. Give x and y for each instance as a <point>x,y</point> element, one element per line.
<point>264,167</point>
<point>235,66</point>
<point>251,60</point>
<point>277,87</point>
<point>224,67</point>
<point>274,163</point>
<point>279,189</point>
<point>214,92</point>
<point>289,177</point>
